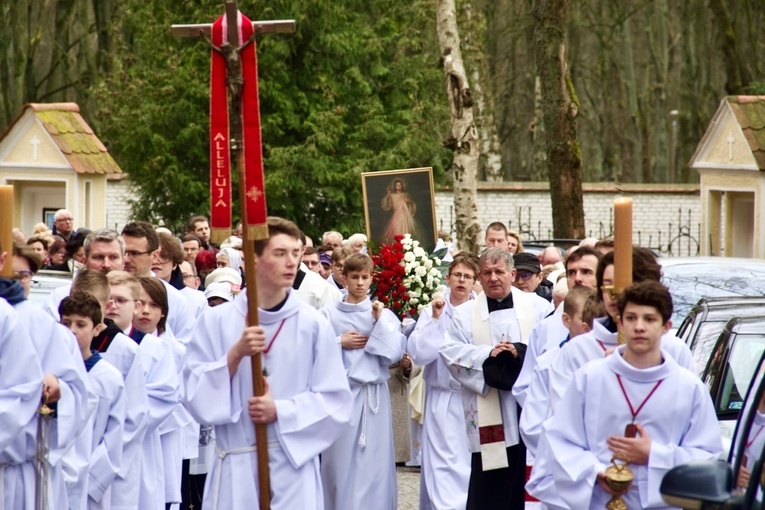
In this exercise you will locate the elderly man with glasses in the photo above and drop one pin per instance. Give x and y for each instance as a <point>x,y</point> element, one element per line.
<point>63,224</point>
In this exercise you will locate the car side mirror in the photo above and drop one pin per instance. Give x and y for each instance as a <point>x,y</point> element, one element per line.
<point>694,484</point>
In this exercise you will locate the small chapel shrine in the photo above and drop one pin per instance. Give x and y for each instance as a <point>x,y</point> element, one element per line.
<point>730,160</point>
<point>54,161</point>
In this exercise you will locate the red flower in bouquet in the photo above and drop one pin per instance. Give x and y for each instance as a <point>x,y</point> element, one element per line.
<point>406,277</point>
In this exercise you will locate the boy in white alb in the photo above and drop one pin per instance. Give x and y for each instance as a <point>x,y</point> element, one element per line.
<point>121,352</point>
<point>359,468</point>
<point>92,465</point>
<point>306,402</point>
<point>637,403</point>
<point>445,472</point>
<point>601,341</point>
<point>162,387</point>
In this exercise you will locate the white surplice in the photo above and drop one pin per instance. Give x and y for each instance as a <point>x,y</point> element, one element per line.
<point>315,291</point>
<point>196,300</point>
<point>445,472</point>
<point>59,355</point>
<point>465,360</point>
<point>162,389</point>
<point>679,418</point>
<point>20,392</point>
<point>123,354</point>
<point>547,334</point>
<point>593,345</point>
<point>171,431</point>
<point>93,463</point>
<point>537,408</point>
<point>359,468</point>
<point>307,381</point>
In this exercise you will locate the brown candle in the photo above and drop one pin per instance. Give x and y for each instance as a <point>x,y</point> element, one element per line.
<point>622,242</point>
<point>6,228</point>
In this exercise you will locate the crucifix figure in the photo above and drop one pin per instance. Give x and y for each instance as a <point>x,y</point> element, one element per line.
<point>235,136</point>
<point>730,141</point>
<point>35,142</point>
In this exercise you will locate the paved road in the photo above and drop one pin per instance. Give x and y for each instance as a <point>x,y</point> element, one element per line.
<point>408,488</point>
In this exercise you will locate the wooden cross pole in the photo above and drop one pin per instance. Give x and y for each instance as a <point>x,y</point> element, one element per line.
<point>231,49</point>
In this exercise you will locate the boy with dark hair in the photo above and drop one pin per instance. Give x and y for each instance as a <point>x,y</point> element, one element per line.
<point>122,352</point>
<point>96,458</point>
<point>306,402</point>
<point>371,341</point>
<point>602,340</point>
<point>637,404</point>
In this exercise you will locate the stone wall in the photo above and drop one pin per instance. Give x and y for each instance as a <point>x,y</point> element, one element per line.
<point>666,217</point>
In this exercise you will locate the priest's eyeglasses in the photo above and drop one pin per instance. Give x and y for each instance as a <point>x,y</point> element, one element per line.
<point>462,276</point>
<point>22,276</point>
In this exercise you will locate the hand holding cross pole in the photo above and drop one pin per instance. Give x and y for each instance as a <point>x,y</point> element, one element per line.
<point>250,168</point>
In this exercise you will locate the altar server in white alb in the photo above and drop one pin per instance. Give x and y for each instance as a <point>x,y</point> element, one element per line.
<point>581,266</point>
<point>359,468</point>
<point>121,352</point>
<point>162,387</point>
<point>602,340</point>
<point>307,401</point>
<point>92,465</point>
<point>445,472</point>
<point>21,386</point>
<point>637,403</point>
<point>64,380</point>
<point>498,321</point>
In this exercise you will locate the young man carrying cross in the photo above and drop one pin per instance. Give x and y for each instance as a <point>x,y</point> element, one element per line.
<point>307,401</point>
<point>639,403</point>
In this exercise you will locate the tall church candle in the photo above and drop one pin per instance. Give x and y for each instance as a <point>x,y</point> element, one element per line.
<point>622,242</point>
<point>6,227</point>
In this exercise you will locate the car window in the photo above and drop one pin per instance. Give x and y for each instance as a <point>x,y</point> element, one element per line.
<point>685,328</point>
<point>703,343</point>
<point>739,369</point>
<point>690,282</point>
<point>747,432</point>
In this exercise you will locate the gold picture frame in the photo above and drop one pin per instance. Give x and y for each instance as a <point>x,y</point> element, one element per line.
<point>391,208</point>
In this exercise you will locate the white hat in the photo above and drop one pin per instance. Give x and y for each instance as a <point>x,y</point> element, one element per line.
<point>219,289</point>
<point>224,274</point>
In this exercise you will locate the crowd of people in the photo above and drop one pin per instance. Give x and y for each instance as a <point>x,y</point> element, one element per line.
<point>145,361</point>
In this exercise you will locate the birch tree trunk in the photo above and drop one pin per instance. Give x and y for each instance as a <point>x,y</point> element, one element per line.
<point>463,140</point>
<point>561,108</point>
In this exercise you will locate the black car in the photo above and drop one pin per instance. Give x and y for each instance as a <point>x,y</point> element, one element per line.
<point>738,483</point>
<point>706,320</point>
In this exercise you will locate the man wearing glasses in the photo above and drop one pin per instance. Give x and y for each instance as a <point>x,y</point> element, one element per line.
<point>141,250</point>
<point>63,224</point>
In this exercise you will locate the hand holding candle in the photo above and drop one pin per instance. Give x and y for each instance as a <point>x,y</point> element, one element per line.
<point>622,243</point>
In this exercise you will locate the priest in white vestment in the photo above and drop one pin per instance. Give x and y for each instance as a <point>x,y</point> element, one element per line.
<point>637,403</point>
<point>499,320</point>
<point>307,401</point>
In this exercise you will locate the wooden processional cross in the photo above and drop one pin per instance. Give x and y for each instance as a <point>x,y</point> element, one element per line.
<point>235,136</point>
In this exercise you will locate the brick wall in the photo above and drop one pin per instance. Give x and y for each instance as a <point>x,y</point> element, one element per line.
<point>118,194</point>
<point>661,212</point>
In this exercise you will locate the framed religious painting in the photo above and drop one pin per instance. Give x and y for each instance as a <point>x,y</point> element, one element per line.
<point>400,202</point>
<point>48,215</point>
